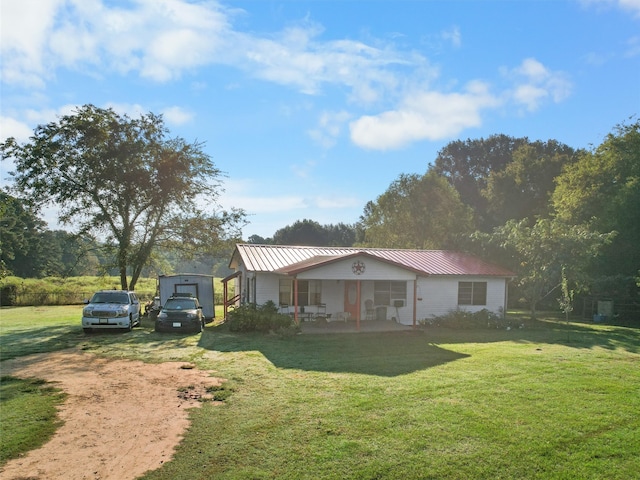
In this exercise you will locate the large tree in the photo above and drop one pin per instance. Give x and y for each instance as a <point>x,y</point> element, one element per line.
<point>503,178</point>
<point>603,189</point>
<point>524,187</point>
<point>123,181</point>
<point>21,239</point>
<point>311,233</point>
<point>303,232</point>
<point>416,211</point>
<point>547,255</point>
<point>468,164</point>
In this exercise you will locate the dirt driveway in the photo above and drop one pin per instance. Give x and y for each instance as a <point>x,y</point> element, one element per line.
<point>121,417</point>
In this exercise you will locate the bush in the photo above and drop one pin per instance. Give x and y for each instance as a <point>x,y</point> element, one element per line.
<point>8,295</point>
<point>462,319</point>
<point>254,318</point>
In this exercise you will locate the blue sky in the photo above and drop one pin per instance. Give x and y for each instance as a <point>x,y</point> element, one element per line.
<point>313,108</point>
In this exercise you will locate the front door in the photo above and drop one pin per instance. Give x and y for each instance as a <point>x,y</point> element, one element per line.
<point>351,298</point>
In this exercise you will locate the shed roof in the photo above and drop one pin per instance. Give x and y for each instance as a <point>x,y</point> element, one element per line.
<point>293,259</point>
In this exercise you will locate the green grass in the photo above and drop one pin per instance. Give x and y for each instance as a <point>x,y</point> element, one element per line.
<point>552,400</point>
<point>28,415</point>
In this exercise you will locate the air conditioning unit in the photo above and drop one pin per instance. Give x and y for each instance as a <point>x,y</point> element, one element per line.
<point>398,302</point>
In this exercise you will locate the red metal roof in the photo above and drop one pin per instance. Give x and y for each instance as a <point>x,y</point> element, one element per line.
<point>288,259</point>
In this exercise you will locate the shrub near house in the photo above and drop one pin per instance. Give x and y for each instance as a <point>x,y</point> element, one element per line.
<point>264,318</point>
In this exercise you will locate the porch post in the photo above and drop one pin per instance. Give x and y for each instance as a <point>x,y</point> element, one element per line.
<point>358,305</point>
<point>295,300</point>
<point>225,293</point>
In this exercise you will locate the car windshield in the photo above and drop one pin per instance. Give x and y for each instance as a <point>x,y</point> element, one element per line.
<point>181,304</point>
<point>110,297</point>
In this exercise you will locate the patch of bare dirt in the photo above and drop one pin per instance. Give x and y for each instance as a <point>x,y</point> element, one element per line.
<point>121,417</point>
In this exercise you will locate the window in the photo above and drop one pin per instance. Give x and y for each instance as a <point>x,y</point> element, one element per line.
<point>285,295</point>
<point>303,293</point>
<point>309,292</point>
<point>472,293</point>
<point>386,291</point>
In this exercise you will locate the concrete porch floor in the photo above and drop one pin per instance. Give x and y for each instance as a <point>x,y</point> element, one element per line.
<point>350,327</point>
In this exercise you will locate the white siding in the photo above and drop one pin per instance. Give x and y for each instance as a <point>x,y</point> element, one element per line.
<point>267,287</point>
<point>440,295</point>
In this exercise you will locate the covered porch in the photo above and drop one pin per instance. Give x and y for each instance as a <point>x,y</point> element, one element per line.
<point>348,290</point>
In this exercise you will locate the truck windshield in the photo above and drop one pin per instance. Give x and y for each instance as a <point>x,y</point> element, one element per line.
<point>121,298</point>
<point>182,304</point>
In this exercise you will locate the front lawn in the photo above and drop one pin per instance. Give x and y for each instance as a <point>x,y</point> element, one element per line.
<point>551,400</point>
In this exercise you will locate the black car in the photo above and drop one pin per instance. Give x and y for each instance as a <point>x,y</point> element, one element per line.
<point>180,314</point>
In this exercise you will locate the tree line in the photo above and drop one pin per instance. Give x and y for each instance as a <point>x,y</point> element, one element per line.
<point>564,220</point>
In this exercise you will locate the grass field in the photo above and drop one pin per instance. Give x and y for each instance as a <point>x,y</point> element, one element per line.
<point>552,400</point>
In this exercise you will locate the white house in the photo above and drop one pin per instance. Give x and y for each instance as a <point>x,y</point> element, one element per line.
<point>365,283</point>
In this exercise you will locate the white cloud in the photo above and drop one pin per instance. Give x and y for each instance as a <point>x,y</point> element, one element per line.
<point>632,6</point>
<point>10,127</point>
<point>298,59</point>
<point>159,38</point>
<point>25,30</point>
<point>304,170</point>
<point>424,115</point>
<point>454,36</point>
<point>177,115</point>
<point>163,39</point>
<point>337,202</point>
<point>534,83</point>
<point>633,47</point>
<point>248,194</point>
<point>330,125</point>
<point>133,110</point>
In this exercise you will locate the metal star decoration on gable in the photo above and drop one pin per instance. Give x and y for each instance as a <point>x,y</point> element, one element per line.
<point>358,267</point>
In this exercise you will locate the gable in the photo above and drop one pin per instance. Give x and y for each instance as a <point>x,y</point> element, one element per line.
<point>357,266</point>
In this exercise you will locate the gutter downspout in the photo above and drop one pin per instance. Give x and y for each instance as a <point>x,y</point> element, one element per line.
<point>225,294</point>
<point>415,300</point>
<point>295,300</point>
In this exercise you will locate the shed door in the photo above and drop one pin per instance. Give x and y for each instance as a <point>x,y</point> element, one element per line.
<point>191,288</point>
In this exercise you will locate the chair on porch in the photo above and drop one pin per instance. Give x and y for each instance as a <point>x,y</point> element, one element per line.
<point>369,312</point>
<point>321,312</point>
<point>284,309</point>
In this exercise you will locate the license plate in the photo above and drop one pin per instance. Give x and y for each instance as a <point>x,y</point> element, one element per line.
<point>177,324</point>
<point>104,321</point>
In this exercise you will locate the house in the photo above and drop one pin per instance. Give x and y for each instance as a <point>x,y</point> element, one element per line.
<point>338,283</point>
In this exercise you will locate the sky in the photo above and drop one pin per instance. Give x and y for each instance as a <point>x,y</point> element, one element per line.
<point>313,108</point>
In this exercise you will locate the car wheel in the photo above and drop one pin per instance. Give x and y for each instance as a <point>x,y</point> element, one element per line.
<point>88,330</point>
<point>130,326</point>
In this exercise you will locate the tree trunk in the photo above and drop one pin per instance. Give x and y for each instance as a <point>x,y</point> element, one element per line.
<point>123,278</point>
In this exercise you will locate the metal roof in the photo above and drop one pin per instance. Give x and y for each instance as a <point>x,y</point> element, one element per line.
<point>290,259</point>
